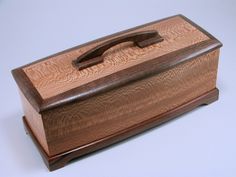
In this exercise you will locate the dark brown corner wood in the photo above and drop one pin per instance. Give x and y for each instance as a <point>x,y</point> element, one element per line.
<point>110,82</point>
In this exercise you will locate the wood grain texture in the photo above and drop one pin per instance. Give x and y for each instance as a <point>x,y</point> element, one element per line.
<point>117,79</point>
<point>60,160</point>
<point>34,120</point>
<point>27,89</point>
<point>121,108</point>
<point>129,75</point>
<point>56,75</point>
<point>70,113</point>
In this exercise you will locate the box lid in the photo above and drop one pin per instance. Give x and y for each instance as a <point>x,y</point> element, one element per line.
<point>113,61</point>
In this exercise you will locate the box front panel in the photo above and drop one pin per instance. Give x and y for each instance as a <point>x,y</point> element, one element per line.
<point>83,122</point>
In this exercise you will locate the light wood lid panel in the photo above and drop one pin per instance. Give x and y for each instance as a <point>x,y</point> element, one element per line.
<point>56,75</point>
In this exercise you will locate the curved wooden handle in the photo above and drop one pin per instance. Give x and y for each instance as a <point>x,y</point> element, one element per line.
<point>94,56</point>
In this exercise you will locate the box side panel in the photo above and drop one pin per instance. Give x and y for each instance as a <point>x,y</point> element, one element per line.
<point>83,122</point>
<point>34,120</point>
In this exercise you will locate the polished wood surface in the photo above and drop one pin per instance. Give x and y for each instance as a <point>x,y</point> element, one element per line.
<point>71,112</point>
<point>129,75</point>
<point>94,56</point>
<point>57,75</point>
<point>118,79</point>
<point>35,121</point>
<point>60,160</point>
<point>120,108</point>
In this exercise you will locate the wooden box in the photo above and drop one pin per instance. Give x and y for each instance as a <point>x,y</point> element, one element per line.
<point>96,94</point>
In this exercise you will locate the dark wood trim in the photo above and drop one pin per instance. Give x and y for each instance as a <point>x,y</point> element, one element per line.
<point>94,56</point>
<point>27,88</point>
<point>117,79</point>
<point>62,159</point>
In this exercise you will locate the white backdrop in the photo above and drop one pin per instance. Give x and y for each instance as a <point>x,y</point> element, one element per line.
<point>200,143</point>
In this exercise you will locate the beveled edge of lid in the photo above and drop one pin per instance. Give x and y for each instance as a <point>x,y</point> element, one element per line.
<point>117,79</point>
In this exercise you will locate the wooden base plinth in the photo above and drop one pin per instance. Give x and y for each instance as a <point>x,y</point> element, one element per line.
<point>60,160</point>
